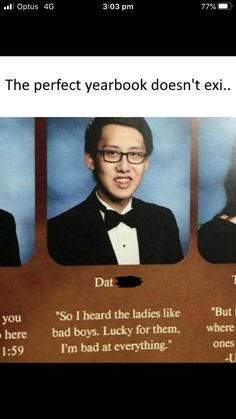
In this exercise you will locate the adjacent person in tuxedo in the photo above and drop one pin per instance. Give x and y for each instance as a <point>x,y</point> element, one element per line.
<point>9,248</point>
<point>217,237</point>
<point>111,226</point>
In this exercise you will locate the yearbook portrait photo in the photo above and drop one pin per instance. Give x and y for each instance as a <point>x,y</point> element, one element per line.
<point>217,190</point>
<point>17,190</point>
<point>118,190</point>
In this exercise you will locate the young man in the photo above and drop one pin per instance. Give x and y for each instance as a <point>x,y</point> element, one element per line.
<point>110,226</point>
<point>9,248</point>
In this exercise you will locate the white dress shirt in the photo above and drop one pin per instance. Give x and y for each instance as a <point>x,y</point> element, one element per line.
<point>124,239</point>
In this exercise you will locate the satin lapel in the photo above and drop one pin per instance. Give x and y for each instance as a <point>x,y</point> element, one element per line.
<point>150,237</point>
<point>98,238</point>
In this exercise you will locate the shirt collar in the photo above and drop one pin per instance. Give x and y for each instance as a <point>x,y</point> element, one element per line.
<point>125,210</point>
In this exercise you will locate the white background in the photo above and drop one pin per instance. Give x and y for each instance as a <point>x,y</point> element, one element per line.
<point>125,103</point>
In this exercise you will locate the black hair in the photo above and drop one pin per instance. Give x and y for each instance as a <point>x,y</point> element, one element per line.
<point>230,187</point>
<point>93,131</point>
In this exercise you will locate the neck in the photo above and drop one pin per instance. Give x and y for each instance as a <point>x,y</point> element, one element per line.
<point>117,206</point>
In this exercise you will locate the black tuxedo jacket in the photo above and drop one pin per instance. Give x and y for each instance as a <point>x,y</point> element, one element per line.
<point>9,248</point>
<point>78,236</point>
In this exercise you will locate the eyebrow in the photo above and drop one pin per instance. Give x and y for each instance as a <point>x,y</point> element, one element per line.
<point>118,148</point>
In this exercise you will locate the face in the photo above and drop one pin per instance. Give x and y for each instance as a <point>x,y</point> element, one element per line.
<point>116,182</point>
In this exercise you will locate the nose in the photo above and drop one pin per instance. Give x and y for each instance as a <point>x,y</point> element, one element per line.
<point>123,164</point>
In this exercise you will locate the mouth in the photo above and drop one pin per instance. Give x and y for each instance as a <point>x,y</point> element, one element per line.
<point>123,181</point>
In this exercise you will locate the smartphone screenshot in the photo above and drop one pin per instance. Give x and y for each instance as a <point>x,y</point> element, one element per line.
<point>118,162</point>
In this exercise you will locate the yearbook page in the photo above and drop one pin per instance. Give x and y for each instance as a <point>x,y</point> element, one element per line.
<point>118,162</point>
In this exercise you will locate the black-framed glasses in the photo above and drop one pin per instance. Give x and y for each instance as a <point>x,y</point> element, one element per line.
<point>113,156</point>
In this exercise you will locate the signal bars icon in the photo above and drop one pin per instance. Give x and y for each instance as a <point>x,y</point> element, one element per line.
<point>9,6</point>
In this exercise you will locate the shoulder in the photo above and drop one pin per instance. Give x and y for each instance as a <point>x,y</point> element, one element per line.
<point>212,226</point>
<point>216,240</point>
<point>6,216</point>
<point>216,229</point>
<point>75,214</point>
<point>68,215</point>
<point>150,208</point>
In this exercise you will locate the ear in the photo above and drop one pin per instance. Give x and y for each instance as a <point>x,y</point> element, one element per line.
<point>146,164</point>
<point>89,161</point>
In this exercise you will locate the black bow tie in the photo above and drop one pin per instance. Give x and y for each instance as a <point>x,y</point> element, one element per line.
<point>113,218</point>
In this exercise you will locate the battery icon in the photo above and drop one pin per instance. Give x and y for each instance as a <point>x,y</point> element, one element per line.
<point>224,6</point>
